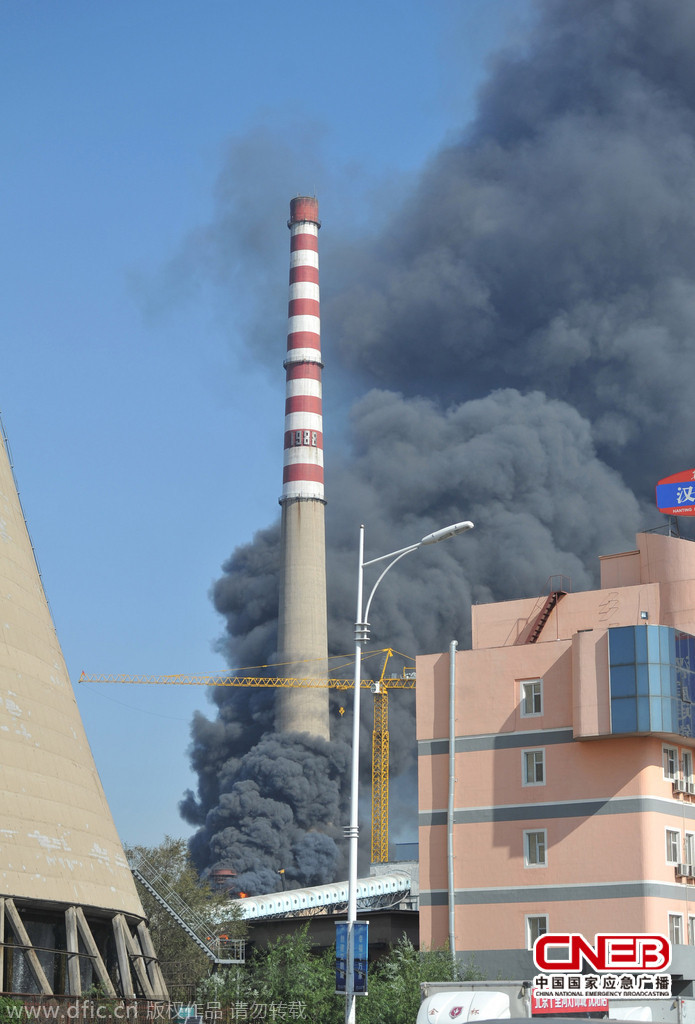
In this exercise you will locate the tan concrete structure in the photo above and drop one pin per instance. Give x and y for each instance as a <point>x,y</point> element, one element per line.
<point>65,884</point>
<point>574,791</point>
<point>302,629</point>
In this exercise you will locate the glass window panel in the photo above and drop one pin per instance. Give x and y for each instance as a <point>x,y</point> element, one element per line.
<point>682,647</point>
<point>623,681</point>
<point>682,682</point>
<point>624,715</point>
<point>675,928</point>
<point>668,681</point>
<point>673,844</point>
<point>654,680</point>
<point>685,650</point>
<point>682,718</point>
<point>689,848</point>
<point>685,720</point>
<point>643,722</point>
<point>669,720</point>
<point>667,645</point>
<point>535,927</point>
<point>675,706</point>
<point>622,645</point>
<point>655,714</point>
<point>535,848</point>
<point>672,655</point>
<point>653,644</point>
<point>642,680</point>
<point>640,643</point>
<point>534,761</point>
<point>670,762</point>
<point>532,703</point>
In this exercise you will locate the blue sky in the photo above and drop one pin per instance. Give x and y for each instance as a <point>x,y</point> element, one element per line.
<point>145,435</point>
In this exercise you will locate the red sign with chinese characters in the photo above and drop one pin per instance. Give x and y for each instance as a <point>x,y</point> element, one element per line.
<point>628,965</point>
<point>549,1003</point>
<point>611,951</point>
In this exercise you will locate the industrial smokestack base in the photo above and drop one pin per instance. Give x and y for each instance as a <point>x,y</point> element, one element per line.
<point>302,619</point>
<point>302,629</point>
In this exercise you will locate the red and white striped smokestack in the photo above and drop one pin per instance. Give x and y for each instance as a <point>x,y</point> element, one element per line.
<point>302,626</point>
<point>303,463</point>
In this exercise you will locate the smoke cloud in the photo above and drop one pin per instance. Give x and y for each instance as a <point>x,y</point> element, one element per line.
<point>553,246</point>
<point>521,334</point>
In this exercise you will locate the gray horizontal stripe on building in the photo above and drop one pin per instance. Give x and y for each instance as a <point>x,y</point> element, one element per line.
<point>571,809</point>
<point>496,741</point>
<point>538,894</point>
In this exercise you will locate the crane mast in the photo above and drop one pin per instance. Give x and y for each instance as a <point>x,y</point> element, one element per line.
<point>380,734</point>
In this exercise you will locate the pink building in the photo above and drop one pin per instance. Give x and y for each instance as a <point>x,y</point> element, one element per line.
<point>573,785</point>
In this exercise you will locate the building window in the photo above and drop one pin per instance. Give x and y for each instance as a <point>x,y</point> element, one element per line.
<point>536,925</point>
<point>691,930</point>
<point>673,846</point>
<point>670,755</point>
<point>675,928</point>
<point>687,766</point>
<point>531,698</point>
<point>535,849</point>
<point>690,847</point>
<point>533,767</point>
<point>652,680</point>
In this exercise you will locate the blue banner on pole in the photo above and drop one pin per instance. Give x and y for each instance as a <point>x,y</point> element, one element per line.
<point>361,956</point>
<point>361,966</point>
<point>341,952</point>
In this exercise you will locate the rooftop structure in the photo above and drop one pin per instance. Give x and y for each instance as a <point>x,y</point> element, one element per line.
<point>573,786</point>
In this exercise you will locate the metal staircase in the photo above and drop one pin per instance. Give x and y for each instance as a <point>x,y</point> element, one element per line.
<point>559,586</point>
<point>220,949</point>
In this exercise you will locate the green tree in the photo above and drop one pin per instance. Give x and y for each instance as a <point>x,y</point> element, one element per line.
<point>183,962</point>
<point>394,982</point>
<point>288,971</point>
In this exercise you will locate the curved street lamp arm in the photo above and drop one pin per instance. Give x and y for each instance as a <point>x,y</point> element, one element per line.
<point>390,554</point>
<point>401,554</point>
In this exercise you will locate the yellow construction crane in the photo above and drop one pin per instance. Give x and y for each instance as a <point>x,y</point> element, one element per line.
<point>380,733</point>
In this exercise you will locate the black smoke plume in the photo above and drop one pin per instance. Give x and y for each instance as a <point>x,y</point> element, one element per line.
<point>521,330</point>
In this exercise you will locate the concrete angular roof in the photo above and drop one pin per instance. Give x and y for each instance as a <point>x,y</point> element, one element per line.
<point>58,841</point>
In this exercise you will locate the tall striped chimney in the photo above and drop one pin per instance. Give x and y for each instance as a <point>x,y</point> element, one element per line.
<point>302,630</point>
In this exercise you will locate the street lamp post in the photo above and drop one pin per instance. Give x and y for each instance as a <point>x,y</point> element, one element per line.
<point>362,636</point>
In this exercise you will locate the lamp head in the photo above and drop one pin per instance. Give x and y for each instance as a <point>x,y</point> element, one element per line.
<point>446,532</point>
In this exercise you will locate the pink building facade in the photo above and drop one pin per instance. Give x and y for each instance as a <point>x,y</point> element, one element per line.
<point>573,782</point>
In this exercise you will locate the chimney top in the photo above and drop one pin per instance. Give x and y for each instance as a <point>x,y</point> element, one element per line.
<point>304,208</point>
